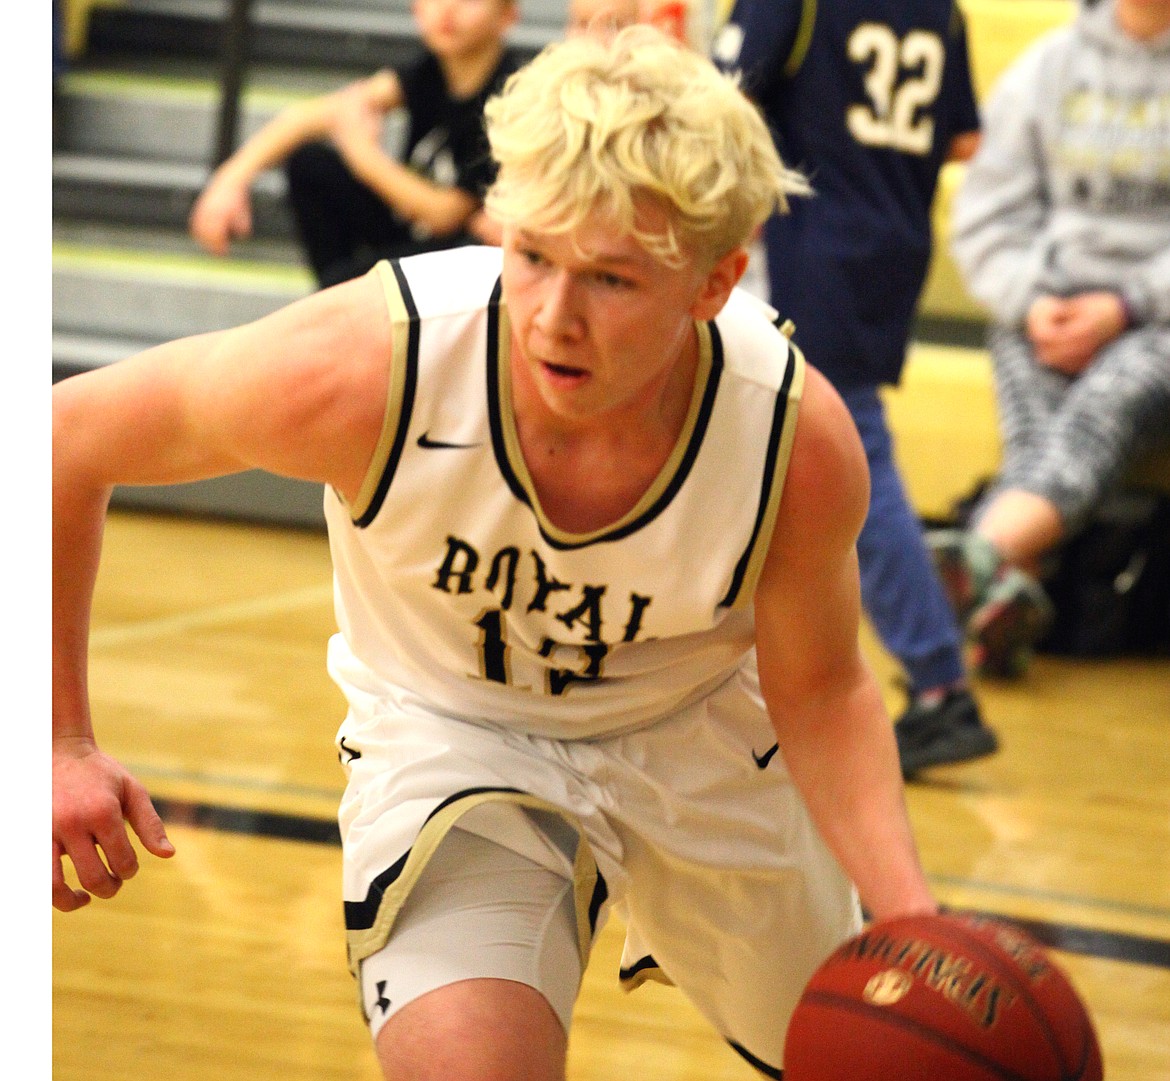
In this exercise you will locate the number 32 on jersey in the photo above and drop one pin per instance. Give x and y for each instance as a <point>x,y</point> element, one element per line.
<point>902,80</point>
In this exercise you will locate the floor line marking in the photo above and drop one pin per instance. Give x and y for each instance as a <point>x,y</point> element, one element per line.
<point>122,634</point>
<point>1127,907</point>
<point>1102,905</point>
<point>1073,938</point>
<point>220,780</point>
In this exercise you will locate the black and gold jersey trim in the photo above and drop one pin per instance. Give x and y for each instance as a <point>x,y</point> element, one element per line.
<point>368,922</point>
<point>506,444</point>
<point>768,1071</point>
<point>804,33</point>
<point>747,570</point>
<point>404,329</point>
<point>645,968</point>
<point>361,915</point>
<point>497,348</point>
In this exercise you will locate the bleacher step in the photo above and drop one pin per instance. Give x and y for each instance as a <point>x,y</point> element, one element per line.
<point>253,496</point>
<point>147,192</point>
<point>350,35</point>
<point>160,296</point>
<point>109,303</point>
<point>164,119</point>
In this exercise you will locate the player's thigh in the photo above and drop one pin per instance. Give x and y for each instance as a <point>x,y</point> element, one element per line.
<point>478,977</point>
<point>732,893</point>
<point>741,946</point>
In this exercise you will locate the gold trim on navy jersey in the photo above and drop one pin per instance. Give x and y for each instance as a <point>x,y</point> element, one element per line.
<point>747,570</point>
<point>958,24</point>
<point>404,338</point>
<point>804,33</point>
<point>670,479</point>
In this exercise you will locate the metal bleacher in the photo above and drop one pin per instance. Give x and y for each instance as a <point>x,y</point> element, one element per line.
<point>137,128</point>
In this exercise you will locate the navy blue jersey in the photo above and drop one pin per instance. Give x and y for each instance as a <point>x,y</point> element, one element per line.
<point>864,97</point>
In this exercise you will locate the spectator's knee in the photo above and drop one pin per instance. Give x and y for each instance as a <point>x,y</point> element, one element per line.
<point>313,165</point>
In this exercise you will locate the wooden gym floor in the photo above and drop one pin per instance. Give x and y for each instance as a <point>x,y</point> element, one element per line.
<point>228,961</point>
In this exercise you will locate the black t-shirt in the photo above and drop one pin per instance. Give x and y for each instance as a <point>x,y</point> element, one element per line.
<point>446,141</point>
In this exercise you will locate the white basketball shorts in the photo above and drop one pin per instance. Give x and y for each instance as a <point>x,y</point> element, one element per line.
<point>691,829</point>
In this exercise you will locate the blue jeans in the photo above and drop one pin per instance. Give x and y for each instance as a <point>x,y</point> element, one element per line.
<point>900,590</point>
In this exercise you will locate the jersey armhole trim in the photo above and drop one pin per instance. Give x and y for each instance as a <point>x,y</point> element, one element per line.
<point>404,335</point>
<point>751,563</point>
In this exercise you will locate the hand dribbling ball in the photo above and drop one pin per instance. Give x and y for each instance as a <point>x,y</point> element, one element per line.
<point>941,998</point>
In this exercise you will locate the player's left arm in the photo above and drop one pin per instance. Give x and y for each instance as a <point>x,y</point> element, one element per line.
<point>825,704</point>
<point>958,94</point>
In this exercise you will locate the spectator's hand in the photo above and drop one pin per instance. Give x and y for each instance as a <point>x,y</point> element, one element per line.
<point>1067,332</point>
<point>222,213</point>
<point>93,799</point>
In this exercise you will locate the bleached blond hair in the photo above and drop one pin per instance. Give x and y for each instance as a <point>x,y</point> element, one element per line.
<point>593,125</point>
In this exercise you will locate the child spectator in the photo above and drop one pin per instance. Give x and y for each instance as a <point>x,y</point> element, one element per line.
<point>1062,229</point>
<point>353,203</point>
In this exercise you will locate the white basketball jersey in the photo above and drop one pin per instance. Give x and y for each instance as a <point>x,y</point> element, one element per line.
<point>454,591</point>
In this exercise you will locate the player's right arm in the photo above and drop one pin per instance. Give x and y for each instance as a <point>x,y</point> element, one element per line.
<point>300,393</point>
<point>824,701</point>
<point>223,212</point>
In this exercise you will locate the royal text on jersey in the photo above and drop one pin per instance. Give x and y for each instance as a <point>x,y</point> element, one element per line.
<point>511,579</point>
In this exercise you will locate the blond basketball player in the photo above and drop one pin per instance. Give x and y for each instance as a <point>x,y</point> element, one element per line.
<point>593,524</point>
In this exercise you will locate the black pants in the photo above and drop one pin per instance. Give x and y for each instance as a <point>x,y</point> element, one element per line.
<point>344,226</point>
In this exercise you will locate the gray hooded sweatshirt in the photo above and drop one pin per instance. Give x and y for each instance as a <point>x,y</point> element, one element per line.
<point>1070,189</point>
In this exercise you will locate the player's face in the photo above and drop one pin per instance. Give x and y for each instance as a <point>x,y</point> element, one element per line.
<point>599,327</point>
<point>452,28</point>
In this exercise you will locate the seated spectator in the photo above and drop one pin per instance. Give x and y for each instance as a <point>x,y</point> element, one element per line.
<point>354,203</point>
<point>1062,228</point>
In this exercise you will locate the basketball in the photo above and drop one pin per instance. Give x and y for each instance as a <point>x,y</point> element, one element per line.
<point>941,998</point>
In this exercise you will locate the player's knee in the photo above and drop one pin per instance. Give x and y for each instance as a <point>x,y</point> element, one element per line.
<point>474,1030</point>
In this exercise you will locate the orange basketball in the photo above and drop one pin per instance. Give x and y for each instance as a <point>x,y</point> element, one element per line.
<point>941,998</point>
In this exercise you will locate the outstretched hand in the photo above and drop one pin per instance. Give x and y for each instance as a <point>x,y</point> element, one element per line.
<point>222,213</point>
<point>94,797</point>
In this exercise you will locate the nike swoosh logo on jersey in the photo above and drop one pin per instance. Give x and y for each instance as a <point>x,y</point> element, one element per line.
<point>427,443</point>
<point>762,760</point>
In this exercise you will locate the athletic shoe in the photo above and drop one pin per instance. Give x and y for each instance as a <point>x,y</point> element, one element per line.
<point>1007,625</point>
<point>1002,610</point>
<point>942,733</point>
<point>968,565</point>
